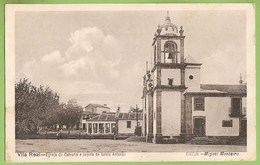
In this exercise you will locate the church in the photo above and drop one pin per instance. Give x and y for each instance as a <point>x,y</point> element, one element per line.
<point>176,106</point>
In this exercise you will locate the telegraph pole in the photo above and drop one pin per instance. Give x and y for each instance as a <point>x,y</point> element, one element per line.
<point>136,111</point>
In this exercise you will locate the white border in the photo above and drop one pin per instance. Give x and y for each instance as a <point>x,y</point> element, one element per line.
<point>10,10</point>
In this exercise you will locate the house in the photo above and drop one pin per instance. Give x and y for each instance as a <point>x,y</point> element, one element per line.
<point>176,105</point>
<point>97,108</point>
<point>102,124</point>
<point>128,122</point>
<point>111,123</point>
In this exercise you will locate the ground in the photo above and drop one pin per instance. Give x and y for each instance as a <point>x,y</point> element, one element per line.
<point>95,145</point>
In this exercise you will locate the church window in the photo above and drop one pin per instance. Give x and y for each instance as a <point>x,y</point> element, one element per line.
<point>170,50</point>
<point>236,107</point>
<point>191,77</point>
<point>227,123</point>
<point>170,81</point>
<point>199,103</point>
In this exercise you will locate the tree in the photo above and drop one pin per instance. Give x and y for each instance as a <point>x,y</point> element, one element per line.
<point>69,114</point>
<point>34,107</point>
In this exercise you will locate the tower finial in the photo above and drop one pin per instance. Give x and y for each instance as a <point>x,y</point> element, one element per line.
<point>241,80</point>
<point>167,16</point>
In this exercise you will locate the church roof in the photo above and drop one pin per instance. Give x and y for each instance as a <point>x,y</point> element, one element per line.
<point>189,59</point>
<point>167,24</point>
<point>230,89</point>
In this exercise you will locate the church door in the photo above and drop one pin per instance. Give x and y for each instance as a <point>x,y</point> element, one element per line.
<point>199,127</point>
<point>243,128</point>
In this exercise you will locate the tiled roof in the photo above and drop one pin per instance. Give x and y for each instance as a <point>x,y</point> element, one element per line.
<point>189,59</point>
<point>103,117</point>
<point>112,117</point>
<point>129,116</point>
<point>230,89</point>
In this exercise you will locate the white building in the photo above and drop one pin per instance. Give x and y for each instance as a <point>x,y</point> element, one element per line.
<point>127,122</point>
<point>111,123</point>
<point>97,108</point>
<point>103,124</point>
<point>176,105</point>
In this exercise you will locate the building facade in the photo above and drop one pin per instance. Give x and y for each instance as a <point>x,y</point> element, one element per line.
<point>111,123</point>
<point>128,122</point>
<point>175,103</point>
<point>102,124</point>
<point>97,108</point>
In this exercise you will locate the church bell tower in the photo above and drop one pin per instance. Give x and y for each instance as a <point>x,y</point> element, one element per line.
<point>165,83</point>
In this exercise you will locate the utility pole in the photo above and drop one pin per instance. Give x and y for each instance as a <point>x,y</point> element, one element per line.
<point>136,111</point>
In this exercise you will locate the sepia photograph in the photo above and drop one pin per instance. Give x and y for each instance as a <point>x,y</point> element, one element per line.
<point>157,82</point>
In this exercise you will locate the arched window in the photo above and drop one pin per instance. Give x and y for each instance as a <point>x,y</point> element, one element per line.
<point>170,52</point>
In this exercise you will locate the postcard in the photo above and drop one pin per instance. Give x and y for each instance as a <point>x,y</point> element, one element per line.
<point>130,82</point>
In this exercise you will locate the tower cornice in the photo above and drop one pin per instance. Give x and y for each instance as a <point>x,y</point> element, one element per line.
<point>169,66</point>
<point>166,37</point>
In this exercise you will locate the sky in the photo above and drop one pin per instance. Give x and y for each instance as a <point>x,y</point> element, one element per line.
<point>100,56</point>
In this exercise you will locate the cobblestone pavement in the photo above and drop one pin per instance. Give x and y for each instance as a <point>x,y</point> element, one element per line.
<point>84,145</point>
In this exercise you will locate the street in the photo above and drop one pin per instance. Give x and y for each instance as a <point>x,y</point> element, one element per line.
<point>84,145</point>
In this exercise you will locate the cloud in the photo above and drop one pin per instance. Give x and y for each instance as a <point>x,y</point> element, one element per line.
<point>94,59</point>
<point>54,57</point>
<point>72,67</point>
<point>91,52</point>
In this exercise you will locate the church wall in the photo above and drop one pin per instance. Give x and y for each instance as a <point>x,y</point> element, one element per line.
<point>244,102</point>
<point>154,113</point>
<point>192,84</point>
<point>171,113</point>
<point>144,122</point>
<point>171,73</point>
<point>217,110</point>
<point>154,77</point>
<point>149,113</point>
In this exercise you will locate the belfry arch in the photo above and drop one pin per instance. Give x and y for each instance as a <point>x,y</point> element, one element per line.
<point>170,52</point>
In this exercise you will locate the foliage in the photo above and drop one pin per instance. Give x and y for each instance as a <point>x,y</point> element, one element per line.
<point>69,114</point>
<point>34,107</point>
